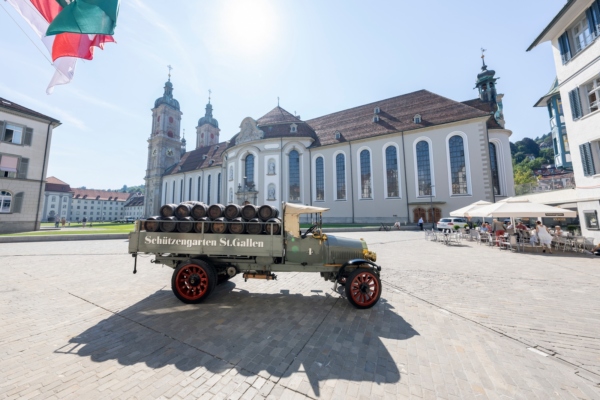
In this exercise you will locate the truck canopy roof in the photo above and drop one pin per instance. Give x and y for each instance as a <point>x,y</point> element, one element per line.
<point>291,216</point>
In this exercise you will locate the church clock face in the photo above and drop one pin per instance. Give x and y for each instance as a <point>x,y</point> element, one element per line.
<point>154,152</point>
<point>170,152</point>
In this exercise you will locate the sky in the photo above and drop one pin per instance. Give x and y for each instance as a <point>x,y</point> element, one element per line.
<point>318,57</point>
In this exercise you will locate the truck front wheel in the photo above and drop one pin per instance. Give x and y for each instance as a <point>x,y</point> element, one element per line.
<point>193,281</point>
<point>363,288</point>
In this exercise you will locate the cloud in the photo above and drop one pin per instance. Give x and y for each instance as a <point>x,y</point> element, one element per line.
<point>43,107</point>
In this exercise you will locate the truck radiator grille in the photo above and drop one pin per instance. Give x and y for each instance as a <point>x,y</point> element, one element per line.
<point>339,257</point>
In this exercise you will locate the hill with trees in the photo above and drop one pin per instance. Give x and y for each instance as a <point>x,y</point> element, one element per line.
<point>529,155</point>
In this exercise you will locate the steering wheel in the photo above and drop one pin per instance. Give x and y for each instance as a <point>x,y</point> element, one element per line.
<point>309,230</point>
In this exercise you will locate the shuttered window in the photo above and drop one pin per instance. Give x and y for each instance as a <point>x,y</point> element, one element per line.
<point>17,203</point>
<point>28,136</point>
<point>587,160</point>
<point>22,169</point>
<point>565,48</point>
<point>575,100</point>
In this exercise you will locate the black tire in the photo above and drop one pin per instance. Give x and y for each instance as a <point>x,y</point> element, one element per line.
<point>193,281</point>
<point>363,288</point>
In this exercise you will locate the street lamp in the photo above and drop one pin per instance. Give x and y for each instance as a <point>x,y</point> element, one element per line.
<point>431,203</point>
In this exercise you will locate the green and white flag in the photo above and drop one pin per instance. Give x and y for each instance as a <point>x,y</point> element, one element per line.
<point>94,17</point>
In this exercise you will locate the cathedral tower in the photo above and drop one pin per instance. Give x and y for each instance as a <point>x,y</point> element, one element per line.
<point>164,147</point>
<point>207,131</point>
<point>486,84</point>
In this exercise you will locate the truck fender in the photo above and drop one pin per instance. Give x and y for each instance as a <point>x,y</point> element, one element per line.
<point>356,261</point>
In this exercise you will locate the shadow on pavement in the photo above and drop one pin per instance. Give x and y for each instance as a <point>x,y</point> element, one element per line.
<point>271,335</point>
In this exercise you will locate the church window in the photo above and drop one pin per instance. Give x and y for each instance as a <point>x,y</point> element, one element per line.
<point>249,170</point>
<point>294,176</point>
<point>181,191</point>
<point>494,167</point>
<point>219,188</point>
<point>53,198</point>
<point>173,199</point>
<point>391,169</point>
<point>320,179</point>
<point>340,176</point>
<point>208,190</point>
<point>424,168</point>
<point>458,166</point>
<point>199,187</point>
<point>171,119</point>
<point>190,190</point>
<point>365,175</point>
<point>170,134</point>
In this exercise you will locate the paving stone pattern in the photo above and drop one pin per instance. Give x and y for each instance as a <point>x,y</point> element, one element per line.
<point>453,322</point>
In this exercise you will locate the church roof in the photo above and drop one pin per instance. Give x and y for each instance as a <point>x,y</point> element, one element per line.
<point>193,160</point>
<point>486,106</point>
<point>167,97</point>
<point>396,114</point>
<point>277,116</point>
<point>208,117</point>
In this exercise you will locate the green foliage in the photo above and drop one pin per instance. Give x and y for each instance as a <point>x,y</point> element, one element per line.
<point>523,173</point>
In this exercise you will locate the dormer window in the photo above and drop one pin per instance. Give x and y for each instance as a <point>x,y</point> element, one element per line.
<point>377,110</point>
<point>293,128</point>
<point>338,135</point>
<point>417,119</point>
<point>376,118</point>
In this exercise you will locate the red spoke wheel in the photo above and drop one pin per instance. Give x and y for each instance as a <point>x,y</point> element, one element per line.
<point>193,281</point>
<point>363,288</point>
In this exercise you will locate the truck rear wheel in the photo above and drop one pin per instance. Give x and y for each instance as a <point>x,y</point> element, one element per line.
<point>193,281</point>
<point>363,288</point>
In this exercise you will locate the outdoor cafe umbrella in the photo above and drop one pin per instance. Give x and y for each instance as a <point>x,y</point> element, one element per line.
<point>465,211</point>
<point>519,209</point>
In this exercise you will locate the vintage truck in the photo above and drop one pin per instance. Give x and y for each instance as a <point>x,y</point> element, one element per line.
<point>202,260</point>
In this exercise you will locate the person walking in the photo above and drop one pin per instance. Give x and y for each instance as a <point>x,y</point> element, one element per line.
<point>544,236</point>
<point>421,223</point>
<point>84,221</point>
<point>498,229</point>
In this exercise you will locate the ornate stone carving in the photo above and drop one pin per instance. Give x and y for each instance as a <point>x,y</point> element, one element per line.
<point>248,131</point>
<point>271,167</point>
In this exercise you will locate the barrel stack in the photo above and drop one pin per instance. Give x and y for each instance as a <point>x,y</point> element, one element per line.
<point>198,217</point>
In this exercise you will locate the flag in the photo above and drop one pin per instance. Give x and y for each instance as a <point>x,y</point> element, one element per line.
<point>85,17</point>
<point>64,48</point>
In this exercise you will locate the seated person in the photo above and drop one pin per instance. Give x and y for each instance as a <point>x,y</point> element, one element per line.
<point>533,239</point>
<point>484,227</point>
<point>558,231</point>
<point>397,224</point>
<point>521,226</point>
<point>509,226</point>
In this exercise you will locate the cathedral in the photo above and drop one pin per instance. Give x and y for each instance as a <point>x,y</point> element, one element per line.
<point>398,159</point>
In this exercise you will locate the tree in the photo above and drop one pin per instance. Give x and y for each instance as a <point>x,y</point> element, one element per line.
<point>523,174</point>
<point>513,148</point>
<point>528,146</point>
<point>124,189</point>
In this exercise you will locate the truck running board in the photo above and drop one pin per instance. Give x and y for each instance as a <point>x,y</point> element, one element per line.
<point>259,275</point>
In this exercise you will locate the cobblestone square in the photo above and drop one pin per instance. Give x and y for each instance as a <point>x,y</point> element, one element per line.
<point>453,322</point>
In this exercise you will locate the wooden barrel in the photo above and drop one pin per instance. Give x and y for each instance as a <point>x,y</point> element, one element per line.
<point>168,224</point>
<point>232,211</point>
<point>216,211</point>
<point>218,225</point>
<point>198,225</point>
<point>168,210</point>
<point>151,224</point>
<point>249,211</point>
<point>199,211</point>
<point>254,226</point>
<point>236,225</point>
<point>266,212</point>
<point>273,224</point>
<point>183,210</point>
<point>185,225</point>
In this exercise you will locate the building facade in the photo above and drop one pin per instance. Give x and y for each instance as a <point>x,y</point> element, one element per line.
<point>61,201</point>
<point>134,207</point>
<point>410,156</point>
<point>573,34</point>
<point>25,138</point>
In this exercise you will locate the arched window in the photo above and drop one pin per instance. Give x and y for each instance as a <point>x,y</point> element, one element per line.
<point>173,199</point>
<point>391,169</point>
<point>208,190</point>
<point>424,168</point>
<point>365,175</point>
<point>458,166</point>
<point>249,170</point>
<point>181,191</point>
<point>199,187</point>
<point>340,176</point>
<point>166,184</point>
<point>294,176</point>
<point>494,167</point>
<point>320,179</point>
<point>219,188</point>
<point>190,190</point>
<point>5,200</point>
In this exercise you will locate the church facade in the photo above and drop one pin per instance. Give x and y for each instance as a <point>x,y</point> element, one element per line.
<point>398,159</point>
